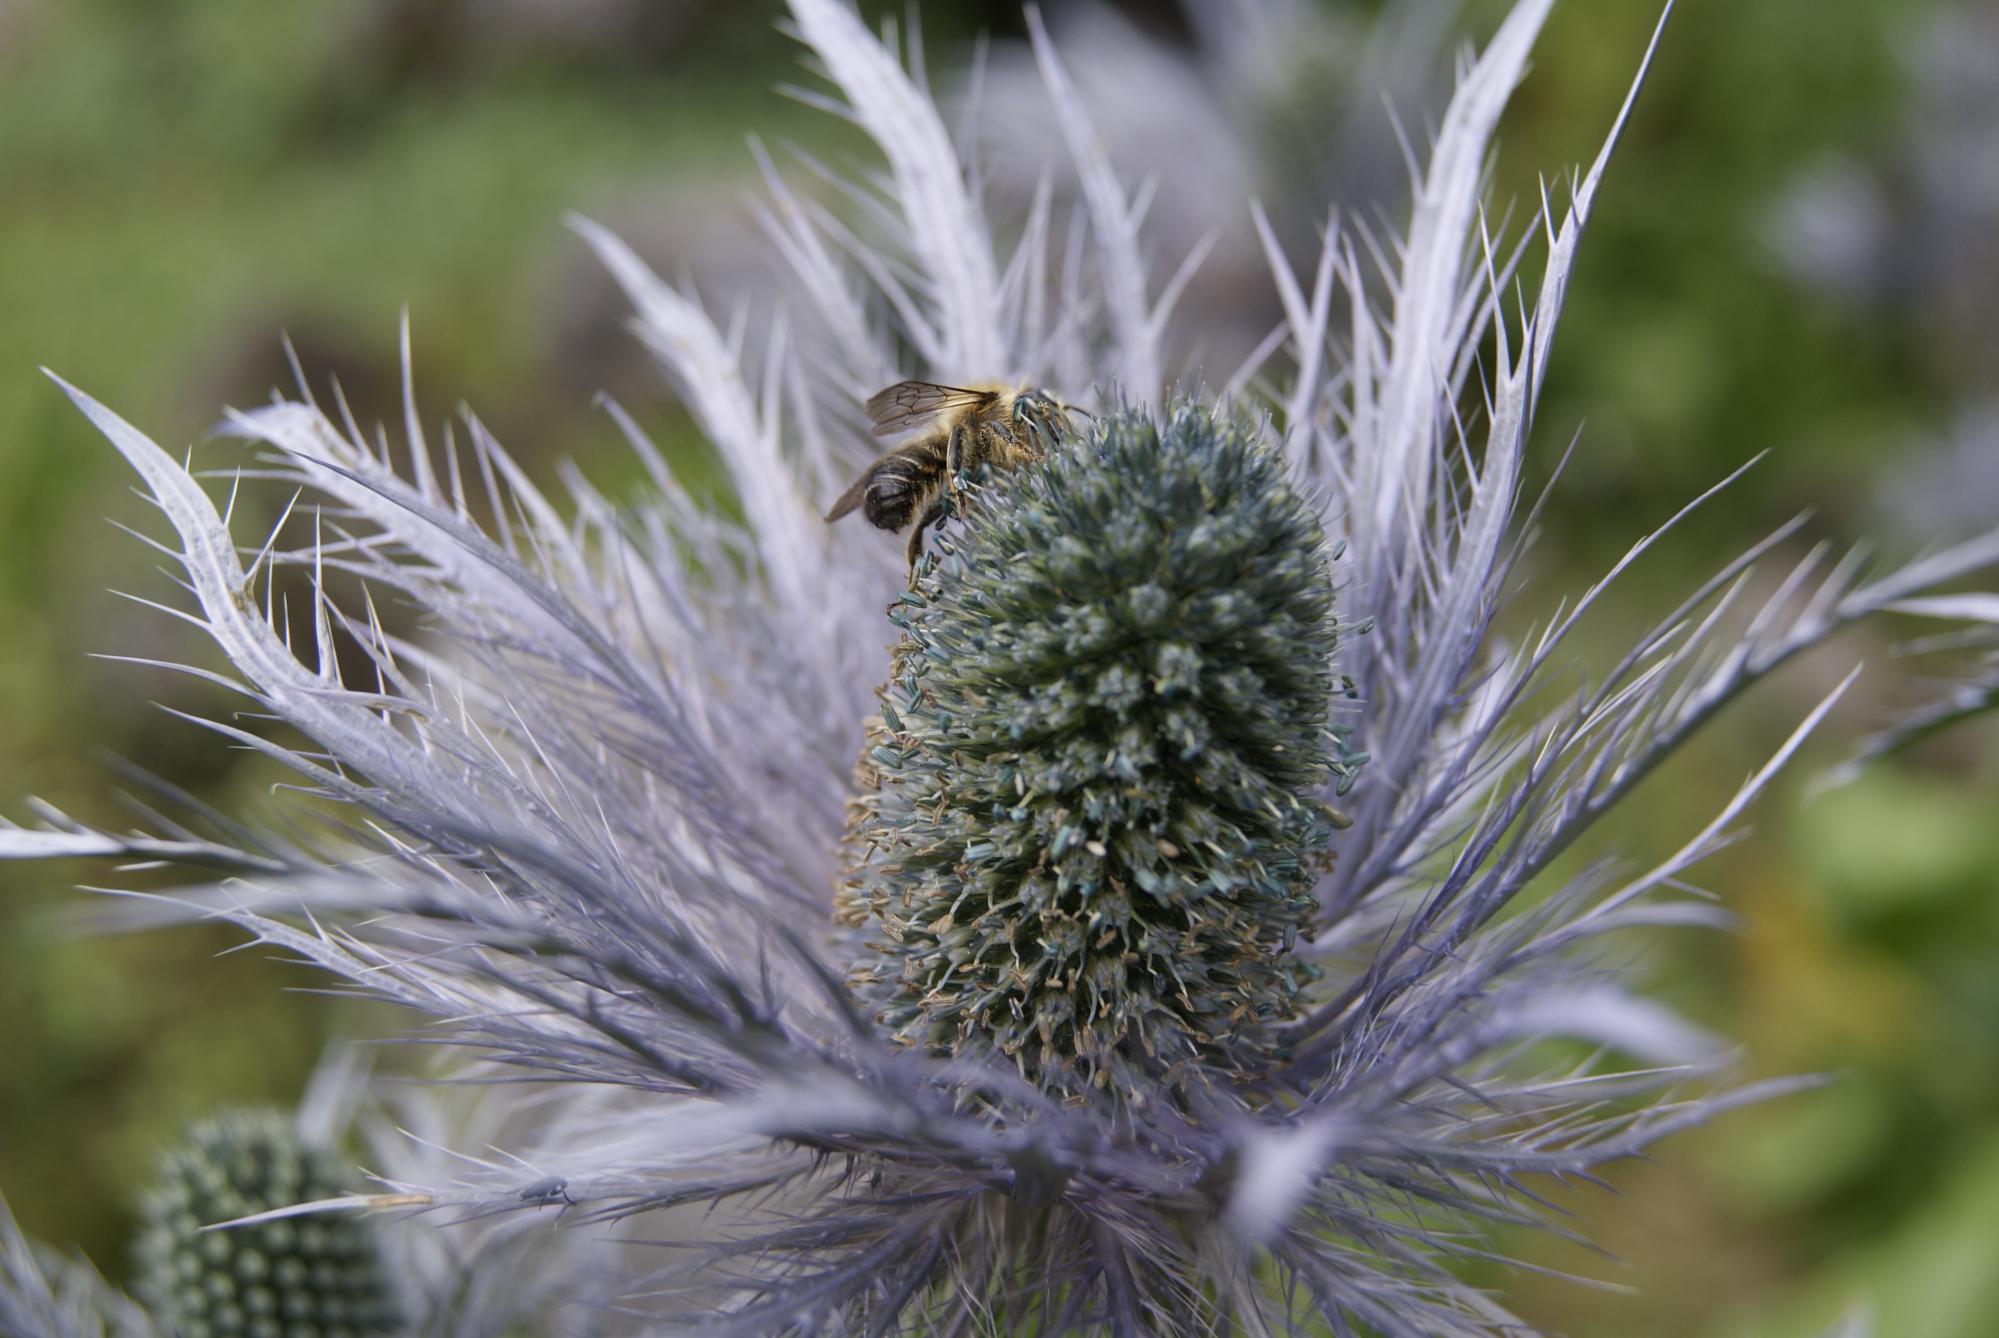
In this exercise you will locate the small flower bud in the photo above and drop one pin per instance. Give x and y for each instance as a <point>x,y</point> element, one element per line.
<point>321,1271</point>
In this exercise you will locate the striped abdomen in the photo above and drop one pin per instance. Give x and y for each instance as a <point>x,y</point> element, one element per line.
<point>895,487</point>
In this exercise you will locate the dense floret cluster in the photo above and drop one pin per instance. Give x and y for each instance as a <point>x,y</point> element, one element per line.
<point>320,1274</point>
<point>1089,833</point>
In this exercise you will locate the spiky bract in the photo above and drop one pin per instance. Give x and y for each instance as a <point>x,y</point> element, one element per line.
<point>319,1274</point>
<point>1091,836</point>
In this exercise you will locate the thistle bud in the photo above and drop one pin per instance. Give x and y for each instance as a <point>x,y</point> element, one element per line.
<point>1090,820</point>
<point>319,1274</point>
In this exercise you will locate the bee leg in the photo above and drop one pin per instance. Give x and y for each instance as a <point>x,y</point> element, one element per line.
<point>923,523</point>
<point>954,460</point>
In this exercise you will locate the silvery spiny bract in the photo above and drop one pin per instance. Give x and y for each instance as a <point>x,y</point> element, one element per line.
<point>618,823</point>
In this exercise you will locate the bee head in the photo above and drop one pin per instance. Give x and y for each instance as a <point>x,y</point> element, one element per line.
<point>1043,414</point>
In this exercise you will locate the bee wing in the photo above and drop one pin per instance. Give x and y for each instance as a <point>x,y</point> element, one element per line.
<point>908,404</point>
<point>850,498</point>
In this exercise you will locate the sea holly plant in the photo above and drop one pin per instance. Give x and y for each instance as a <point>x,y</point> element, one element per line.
<point>1150,926</point>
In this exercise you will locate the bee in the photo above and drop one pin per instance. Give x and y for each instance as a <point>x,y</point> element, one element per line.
<point>985,423</point>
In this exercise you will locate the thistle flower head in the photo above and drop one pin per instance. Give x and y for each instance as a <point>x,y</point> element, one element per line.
<point>1124,1041</point>
<point>322,1274</point>
<point>1092,822</point>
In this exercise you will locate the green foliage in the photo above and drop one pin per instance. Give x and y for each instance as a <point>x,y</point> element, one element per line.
<point>1686,348</point>
<point>319,1274</point>
<point>1091,825</point>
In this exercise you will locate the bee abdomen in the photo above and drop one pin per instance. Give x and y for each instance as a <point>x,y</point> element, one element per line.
<point>899,485</point>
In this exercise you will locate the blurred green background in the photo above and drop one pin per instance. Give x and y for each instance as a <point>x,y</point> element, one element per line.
<point>1779,264</point>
